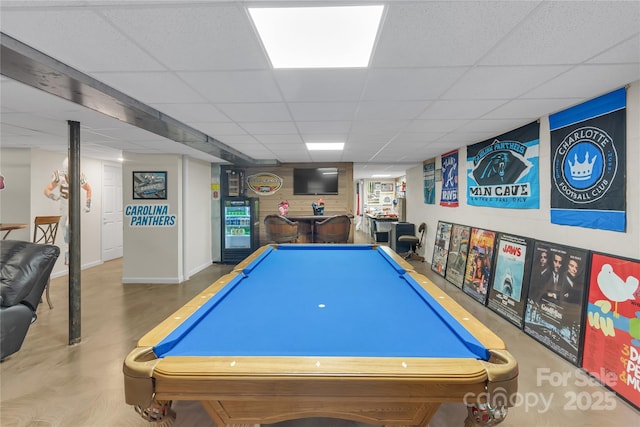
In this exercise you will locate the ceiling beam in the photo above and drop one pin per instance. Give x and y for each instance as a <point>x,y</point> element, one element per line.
<point>38,70</point>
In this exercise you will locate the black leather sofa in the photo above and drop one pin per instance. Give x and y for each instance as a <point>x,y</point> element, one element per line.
<point>25,268</point>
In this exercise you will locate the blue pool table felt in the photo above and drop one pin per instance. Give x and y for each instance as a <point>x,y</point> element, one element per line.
<point>305,300</point>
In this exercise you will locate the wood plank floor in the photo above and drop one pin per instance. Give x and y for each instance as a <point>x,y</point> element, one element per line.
<point>48,383</point>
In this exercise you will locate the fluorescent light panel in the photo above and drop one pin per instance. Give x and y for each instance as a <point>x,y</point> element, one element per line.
<point>318,37</point>
<point>325,146</point>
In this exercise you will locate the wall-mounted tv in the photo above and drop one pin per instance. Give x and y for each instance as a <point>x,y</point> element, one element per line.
<point>315,181</point>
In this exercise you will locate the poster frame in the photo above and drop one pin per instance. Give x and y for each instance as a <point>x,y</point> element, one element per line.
<point>441,248</point>
<point>479,292</point>
<point>453,273</point>
<point>502,302</point>
<point>548,309</point>
<point>588,319</point>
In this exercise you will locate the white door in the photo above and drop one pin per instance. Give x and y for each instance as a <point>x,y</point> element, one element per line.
<point>111,211</point>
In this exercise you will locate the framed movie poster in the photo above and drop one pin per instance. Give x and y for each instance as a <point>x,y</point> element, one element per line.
<point>150,185</point>
<point>611,350</point>
<point>457,258</point>
<point>478,271</point>
<point>441,248</point>
<point>555,304</point>
<point>508,291</point>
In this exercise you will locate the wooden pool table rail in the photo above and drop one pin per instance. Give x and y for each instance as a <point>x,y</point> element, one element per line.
<point>375,390</point>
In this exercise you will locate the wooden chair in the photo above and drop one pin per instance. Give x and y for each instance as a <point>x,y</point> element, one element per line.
<point>414,243</point>
<point>44,232</point>
<point>280,229</point>
<point>334,229</point>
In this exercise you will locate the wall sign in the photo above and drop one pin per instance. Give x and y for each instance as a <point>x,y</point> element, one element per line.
<point>149,216</point>
<point>264,183</point>
<point>149,185</point>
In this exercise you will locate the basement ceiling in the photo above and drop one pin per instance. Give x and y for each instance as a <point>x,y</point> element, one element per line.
<point>443,74</point>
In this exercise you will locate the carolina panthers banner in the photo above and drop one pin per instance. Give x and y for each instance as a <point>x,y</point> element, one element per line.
<point>449,194</point>
<point>503,171</point>
<point>588,163</point>
<point>429,176</point>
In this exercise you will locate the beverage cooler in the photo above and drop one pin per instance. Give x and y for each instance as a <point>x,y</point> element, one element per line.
<point>240,228</point>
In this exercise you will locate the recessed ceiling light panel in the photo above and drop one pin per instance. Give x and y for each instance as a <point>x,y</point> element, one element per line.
<point>325,146</point>
<point>318,37</point>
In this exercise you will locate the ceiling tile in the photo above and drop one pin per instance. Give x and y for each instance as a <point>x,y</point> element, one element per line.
<point>256,112</point>
<point>567,32</point>
<point>587,81</point>
<point>234,86</point>
<point>318,111</point>
<point>191,113</point>
<point>192,36</point>
<point>502,82</point>
<point>144,87</point>
<point>390,110</point>
<point>273,127</point>
<point>444,33</point>
<point>77,37</point>
<point>321,85</point>
<point>324,127</point>
<point>409,84</point>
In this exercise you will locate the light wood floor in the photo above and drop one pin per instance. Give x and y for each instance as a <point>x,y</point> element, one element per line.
<point>48,383</point>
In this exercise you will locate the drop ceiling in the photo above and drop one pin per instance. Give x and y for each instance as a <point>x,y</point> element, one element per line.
<point>443,74</point>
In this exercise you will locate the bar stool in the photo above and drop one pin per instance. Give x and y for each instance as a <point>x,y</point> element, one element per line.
<point>44,232</point>
<point>280,229</point>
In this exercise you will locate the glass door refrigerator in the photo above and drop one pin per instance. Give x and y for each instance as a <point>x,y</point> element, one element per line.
<point>240,228</point>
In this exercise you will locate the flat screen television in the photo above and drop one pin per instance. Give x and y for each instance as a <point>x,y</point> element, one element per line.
<point>315,181</point>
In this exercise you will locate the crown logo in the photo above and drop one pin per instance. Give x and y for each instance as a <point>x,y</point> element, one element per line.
<point>581,171</point>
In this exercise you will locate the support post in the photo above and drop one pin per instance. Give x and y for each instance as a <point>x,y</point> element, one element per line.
<point>74,232</point>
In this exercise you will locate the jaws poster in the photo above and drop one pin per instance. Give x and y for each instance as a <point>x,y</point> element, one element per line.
<point>502,172</point>
<point>508,292</point>
<point>612,330</point>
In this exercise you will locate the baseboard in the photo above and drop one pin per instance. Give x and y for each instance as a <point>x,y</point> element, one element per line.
<point>199,268</point>
<point>65,272</point>
<point>152,280</point>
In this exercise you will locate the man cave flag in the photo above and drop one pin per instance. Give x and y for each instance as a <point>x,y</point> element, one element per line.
<point>503,172</point>
<point>588,163</point>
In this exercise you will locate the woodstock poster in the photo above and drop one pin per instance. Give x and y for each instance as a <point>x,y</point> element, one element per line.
<point>502,172</point>
<point>612,330</point>
<point>588,164</point>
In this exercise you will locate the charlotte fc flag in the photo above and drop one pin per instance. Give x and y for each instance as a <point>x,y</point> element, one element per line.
<point>449,193</point>
<point>502,172</point>
<point>588,163</point>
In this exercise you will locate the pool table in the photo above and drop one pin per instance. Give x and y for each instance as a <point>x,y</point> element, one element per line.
<point>343,331</point>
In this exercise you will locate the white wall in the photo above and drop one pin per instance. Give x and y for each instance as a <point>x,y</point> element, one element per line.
<point>43,164</point>
<point>536,223</point>
<point>169,254</point>
<point>153,254</point>
<point>15,167</point>
<point>198,216</point>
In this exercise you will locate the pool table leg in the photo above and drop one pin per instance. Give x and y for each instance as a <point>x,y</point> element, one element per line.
<point>481,415</point>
